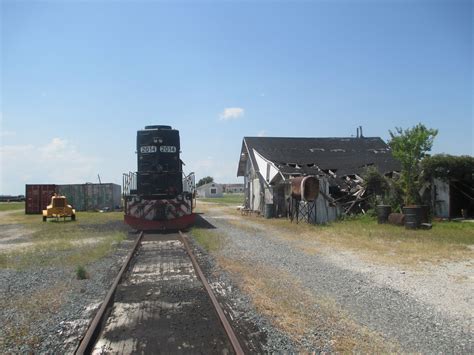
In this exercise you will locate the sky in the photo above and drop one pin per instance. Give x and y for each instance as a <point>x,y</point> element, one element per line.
<point>79,78</point>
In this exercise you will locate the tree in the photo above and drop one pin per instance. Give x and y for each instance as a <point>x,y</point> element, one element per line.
<point>445,167</point>
<point>205,180</point>
<point>410,146</point>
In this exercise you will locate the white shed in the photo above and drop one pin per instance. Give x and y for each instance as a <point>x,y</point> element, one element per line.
<point>209,190</point>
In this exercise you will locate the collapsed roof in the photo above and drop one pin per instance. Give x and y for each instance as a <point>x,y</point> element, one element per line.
<point>310,156</point>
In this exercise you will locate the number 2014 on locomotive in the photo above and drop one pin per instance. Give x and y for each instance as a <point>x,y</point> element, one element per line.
<point>153,149</point>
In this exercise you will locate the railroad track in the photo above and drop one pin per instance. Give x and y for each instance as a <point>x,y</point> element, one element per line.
<point>160,302</point>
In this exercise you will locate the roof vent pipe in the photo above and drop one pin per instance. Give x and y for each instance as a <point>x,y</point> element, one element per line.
<point>357,132</point>
<point>361,135</point>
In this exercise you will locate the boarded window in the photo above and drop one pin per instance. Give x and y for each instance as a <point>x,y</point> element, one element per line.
<point>213,191</point>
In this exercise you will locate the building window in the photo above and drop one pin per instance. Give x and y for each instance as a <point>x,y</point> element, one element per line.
<point>213,191</point>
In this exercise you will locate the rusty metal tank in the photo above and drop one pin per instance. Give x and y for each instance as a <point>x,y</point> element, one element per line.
<point>305,188</point>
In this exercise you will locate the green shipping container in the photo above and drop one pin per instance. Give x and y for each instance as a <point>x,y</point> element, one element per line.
<point>92,197</point>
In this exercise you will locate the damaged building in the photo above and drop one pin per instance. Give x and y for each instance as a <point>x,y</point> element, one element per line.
<point>449,185</point>
<point>268,165</point>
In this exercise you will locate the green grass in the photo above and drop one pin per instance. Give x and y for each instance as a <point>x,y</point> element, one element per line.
<point>387,243</point>
<point>227,199</point>
<point>11,206</point>
<point>82,218</point>
<point>209,239</point>
<point>67,244</point>
<point>442,232</point>
<point>384,243</point>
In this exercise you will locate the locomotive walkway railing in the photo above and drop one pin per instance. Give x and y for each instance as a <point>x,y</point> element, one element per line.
<point>189,183</point>
<point>129,183</point>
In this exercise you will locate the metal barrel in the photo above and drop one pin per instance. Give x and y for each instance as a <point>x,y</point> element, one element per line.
<point>412,215</point>
<point>383,212</point>
<point>411,221</point>
<point>305,188</point>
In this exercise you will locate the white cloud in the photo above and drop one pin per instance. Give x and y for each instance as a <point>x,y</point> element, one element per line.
<point>231,113</point>
<point>5,134</point>
<point>57,162</point>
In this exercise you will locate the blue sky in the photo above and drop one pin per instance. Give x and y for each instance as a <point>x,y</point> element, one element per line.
<point>78,79</point>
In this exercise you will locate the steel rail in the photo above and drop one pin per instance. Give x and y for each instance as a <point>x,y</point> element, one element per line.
<point>89,339</point>
<point>225,323</point>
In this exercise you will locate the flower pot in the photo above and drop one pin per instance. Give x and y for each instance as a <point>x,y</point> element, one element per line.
<point>412,216</point>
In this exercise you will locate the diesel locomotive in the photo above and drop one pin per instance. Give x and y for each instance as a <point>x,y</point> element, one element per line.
<point>158,196</point>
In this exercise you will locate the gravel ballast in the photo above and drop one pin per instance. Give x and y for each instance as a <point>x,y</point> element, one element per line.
<point>31,323</point>
<point>255,331</point>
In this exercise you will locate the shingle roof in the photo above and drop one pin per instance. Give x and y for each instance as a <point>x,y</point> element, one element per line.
<point>305,155</point>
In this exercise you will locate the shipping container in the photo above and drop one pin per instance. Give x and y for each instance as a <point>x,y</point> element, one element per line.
<point>101,196</point>
<point>38,197</point>
<point>92,197</point>
<point>75,194</point>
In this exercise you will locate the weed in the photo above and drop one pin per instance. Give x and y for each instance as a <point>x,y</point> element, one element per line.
<point>81,273</point>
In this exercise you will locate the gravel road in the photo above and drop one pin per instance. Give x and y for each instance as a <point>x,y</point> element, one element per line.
<point>402,317</point>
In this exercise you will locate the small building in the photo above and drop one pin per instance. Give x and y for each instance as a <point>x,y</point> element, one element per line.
<point>452,198</point>
<point>233,188</point>
<point>269,163</point>
<point>449,186</point>
<point>209,190</point>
